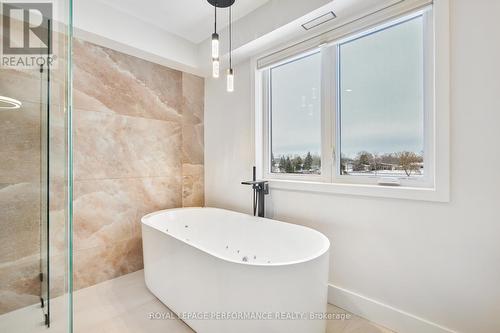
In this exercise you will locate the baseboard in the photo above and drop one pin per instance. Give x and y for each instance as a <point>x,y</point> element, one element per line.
<point>382,314</point>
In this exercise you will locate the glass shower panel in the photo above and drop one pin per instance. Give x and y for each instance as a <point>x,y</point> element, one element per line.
<point>35,166</point>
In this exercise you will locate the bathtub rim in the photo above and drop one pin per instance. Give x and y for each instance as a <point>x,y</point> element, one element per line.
<point>324,251</point>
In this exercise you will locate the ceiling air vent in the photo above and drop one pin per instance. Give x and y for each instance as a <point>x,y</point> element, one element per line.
<point>319,20</point>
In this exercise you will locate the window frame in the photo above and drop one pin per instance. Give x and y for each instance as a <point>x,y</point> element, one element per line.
<point>434,188</point>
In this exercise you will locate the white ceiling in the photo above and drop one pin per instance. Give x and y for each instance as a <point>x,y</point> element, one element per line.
<point>190,19</point>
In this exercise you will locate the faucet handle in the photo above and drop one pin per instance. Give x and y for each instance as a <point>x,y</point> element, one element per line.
<point>259,185</point>
<point>254,182</point>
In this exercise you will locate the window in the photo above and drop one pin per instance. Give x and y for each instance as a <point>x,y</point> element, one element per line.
<point>381,102</point>
<point>357,111</point>
<point>295,116</point>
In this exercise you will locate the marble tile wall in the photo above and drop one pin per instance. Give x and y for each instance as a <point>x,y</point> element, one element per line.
<point>138,148</point>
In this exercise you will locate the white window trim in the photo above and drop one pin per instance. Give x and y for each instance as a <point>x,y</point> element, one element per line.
<point>438,154</point>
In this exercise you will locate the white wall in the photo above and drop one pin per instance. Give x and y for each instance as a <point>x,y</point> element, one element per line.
<point>440,262</point>
<point>101,24</point>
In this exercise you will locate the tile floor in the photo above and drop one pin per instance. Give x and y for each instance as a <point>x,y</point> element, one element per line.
<point>122,305</point>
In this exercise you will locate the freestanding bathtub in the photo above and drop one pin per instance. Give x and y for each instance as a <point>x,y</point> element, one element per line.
<point>227,272</point>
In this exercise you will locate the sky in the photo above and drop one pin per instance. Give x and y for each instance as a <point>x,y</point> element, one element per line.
<point>296,103</point>
<point>381,86</point>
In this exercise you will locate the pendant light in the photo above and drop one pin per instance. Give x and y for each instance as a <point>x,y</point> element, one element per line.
<point>215,68</point>
<point>230,72</point>
<point>215,47</point>
<point>216,43</point>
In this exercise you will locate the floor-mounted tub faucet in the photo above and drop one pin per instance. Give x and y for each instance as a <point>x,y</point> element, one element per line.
<point>260,190</point>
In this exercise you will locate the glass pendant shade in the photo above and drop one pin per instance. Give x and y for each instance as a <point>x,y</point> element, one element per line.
<point>230,80</point>
<point>215,45</point>
<point>215,67</point>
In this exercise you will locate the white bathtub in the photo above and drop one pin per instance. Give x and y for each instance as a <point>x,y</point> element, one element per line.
<point>227,272</point>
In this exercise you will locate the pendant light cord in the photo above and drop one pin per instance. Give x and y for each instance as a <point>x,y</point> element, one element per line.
<point>215,23</point>
<point>230,39</point>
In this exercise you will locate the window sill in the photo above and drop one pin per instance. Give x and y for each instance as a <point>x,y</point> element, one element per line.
<point>380,191</point>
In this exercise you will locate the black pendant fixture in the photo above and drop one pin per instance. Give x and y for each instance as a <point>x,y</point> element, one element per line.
<point>215,48</point>
<point>215,43</point>
<point>221,3</point>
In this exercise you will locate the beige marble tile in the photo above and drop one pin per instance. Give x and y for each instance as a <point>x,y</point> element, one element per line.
<point>193,185</point>
<point>165,83</point>
<point>192,143</point>
<point>138,149</point>
<point>192,119</point>
<point>103,213</point>
<point>103,263</point>
<point>19,221</point>
<point>115,146</point>
<point>23,85</point>
<point>109,81</point>
<point>19,283</point>
<point>109,210</point>
<point>20,128</point>
<point>20,166</point>
<point>158,194</point>
<point>20,148</point>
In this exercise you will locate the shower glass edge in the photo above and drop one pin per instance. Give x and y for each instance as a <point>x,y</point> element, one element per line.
<point>69,98</point>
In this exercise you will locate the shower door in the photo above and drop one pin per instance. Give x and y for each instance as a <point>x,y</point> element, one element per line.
<point>35,166</point>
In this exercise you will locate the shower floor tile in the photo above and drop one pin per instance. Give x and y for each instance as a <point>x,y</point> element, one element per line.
<point>123,305</point>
